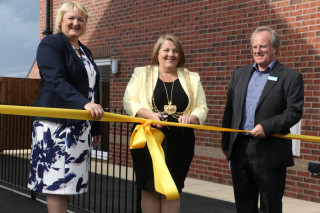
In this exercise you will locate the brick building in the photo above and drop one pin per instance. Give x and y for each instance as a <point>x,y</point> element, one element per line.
<point>215,36</point>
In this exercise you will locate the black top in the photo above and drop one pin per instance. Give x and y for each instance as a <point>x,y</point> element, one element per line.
<point>180,98</point>
<point>178,144</point>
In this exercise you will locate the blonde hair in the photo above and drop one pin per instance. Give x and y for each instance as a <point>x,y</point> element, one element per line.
<point>66,7</point>
<point>159,43</point>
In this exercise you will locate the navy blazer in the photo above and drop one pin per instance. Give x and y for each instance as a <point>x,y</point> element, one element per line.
<point>278,109</point>
<point>64,79</point>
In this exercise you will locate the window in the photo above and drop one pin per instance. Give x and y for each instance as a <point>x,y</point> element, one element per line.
<point>296,129</point>
<point>104,67</point>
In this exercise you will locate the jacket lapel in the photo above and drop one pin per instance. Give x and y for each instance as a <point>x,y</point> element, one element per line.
<point>73,53</point>
<point>155,76</point>
<point>275,72</point>
<point>245,76</point>
<point>183,81</point>
<point>153,80</point>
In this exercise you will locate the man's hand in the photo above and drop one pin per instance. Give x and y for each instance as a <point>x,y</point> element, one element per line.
<point>226,153</point>
<point>258,132</point>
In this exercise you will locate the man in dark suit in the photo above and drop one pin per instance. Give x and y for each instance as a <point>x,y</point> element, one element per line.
<point>264,98</point>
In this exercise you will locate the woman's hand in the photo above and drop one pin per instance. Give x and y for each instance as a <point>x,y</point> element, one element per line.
<point>192,119</point>
<point>95,109</point>
<point>96,140</point>
<point>157,117</point>
<point>144,113</point>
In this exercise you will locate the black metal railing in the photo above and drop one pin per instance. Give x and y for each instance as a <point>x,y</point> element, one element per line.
<point>111,187</point>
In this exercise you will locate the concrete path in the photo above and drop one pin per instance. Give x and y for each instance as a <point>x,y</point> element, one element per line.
<point>225,193</point>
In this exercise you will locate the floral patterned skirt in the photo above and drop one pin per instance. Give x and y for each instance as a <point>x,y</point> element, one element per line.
<point>60,157</point>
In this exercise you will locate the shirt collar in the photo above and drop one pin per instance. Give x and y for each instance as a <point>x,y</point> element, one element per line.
<point>269,67</point>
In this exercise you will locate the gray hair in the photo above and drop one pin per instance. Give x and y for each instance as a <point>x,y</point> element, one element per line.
<point>275,41</point>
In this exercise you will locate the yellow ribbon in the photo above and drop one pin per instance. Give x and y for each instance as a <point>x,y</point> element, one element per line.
<point>163,181</point>
<point>143,134</point>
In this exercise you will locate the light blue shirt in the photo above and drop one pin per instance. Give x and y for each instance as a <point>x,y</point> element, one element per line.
<point>256,85</point>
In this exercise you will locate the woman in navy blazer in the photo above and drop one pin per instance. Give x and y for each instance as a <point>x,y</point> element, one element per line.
<point>69,79</point>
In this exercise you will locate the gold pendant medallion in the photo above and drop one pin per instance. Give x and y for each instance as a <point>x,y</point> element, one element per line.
<point>170,109</point>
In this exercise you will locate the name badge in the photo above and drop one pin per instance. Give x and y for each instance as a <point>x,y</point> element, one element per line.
<point>272,78</point>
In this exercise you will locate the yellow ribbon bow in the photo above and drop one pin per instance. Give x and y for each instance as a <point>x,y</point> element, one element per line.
<point>145,134</point>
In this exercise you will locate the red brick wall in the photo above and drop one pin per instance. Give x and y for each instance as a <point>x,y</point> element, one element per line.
<point>215,36</point>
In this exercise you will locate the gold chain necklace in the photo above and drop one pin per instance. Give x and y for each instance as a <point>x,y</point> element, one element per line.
<point>150,86</point>
<point>170,109</point>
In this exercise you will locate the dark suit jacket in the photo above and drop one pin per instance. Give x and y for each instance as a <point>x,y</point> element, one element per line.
<point>278,109</point>
<point>64,79</point>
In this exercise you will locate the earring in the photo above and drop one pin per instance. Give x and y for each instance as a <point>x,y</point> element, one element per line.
<point>59,25</point>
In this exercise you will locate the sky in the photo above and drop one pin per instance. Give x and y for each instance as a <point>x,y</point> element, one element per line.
<point>19,36</point>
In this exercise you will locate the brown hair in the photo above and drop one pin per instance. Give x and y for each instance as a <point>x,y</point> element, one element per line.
<point>159,43</point>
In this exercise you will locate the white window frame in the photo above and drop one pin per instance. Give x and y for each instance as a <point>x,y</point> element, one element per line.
<point>102,61</point>
<point>98,154</point>
<point>296,129</point>
<point>103,155</point>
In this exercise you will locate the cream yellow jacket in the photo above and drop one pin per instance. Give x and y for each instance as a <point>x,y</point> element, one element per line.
<point>135,95</point>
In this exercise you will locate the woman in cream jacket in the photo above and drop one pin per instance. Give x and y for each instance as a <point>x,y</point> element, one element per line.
<point>165,91</point>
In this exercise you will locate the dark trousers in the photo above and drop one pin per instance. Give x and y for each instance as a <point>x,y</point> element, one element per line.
<point>251,180</point>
